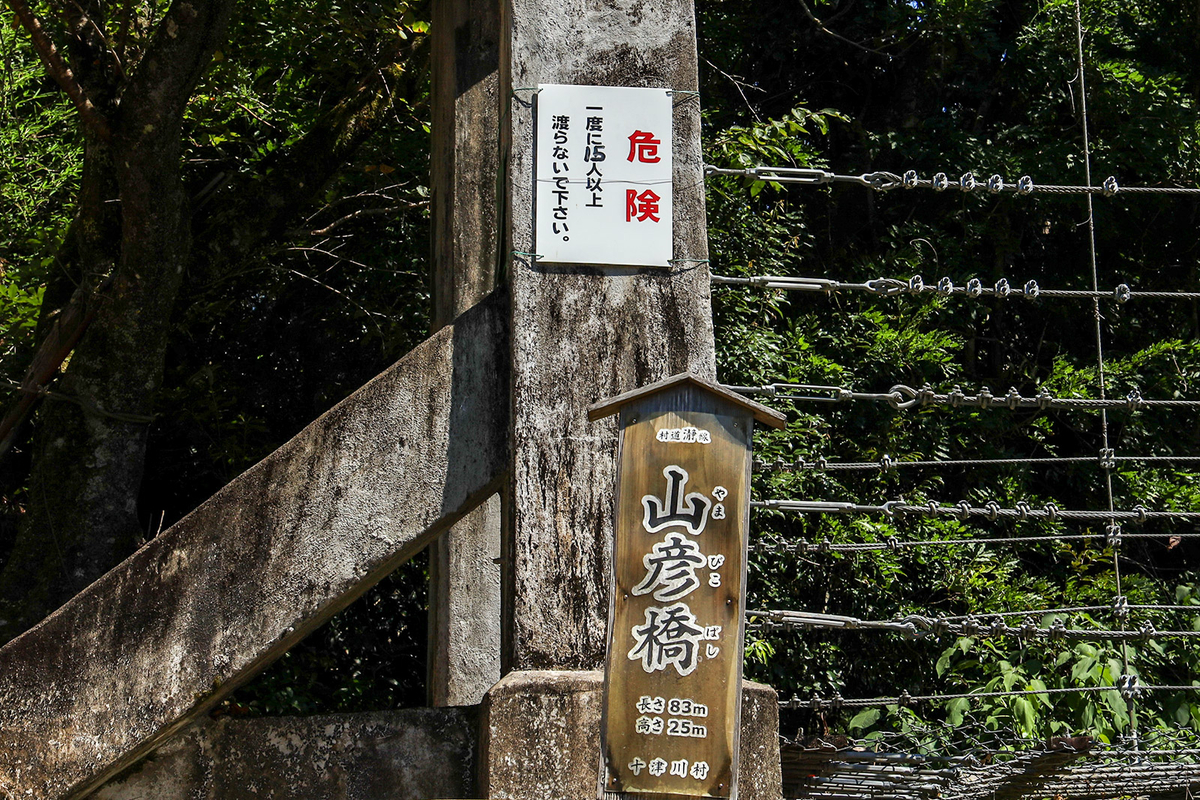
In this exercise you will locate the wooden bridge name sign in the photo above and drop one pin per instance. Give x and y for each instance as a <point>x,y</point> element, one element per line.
<point>672,693</point>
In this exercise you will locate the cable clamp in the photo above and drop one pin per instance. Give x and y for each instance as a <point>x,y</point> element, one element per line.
<point>1025,185</point>
<point>967,182</point>
<point>926,395</point>
<point>970,626</point>
<point>886,461</point>
<point>1128,686</point>
<point>956,397</point>
<point>1146,631</point>
<point>1031,290</point>
<point>974,287</point>
<point>940,182</point>
<point>882,181</point>
<point>916,284</point>
<point>1133,400</point>
<point>910,179</point>
<point>995,184</point>
<point>1057,630</point>
<point>999,627</point>
<point>887,287</point>
<point>993,509</point>
<point>945,287</point>
<point>964,510</point>
<point>1051,512</point>
<point>1028,629</point>
<point>1044,399</point>
<point>1111,186</point>
<point>1022,510</point>
<point>1122,293</point>
<point>1141,512</point>
<point>1003,289</point>
<point>893,543</point>
<point>1107,458</point>
<point>902,397</point>
<point>984,398</point>
<point>905,699</point>
<point>1013,398</point>
<point>1120,606</point>
<point>1112,534</point>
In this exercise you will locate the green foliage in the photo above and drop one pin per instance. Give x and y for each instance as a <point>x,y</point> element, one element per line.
<point>40,161</point>
<point>262,346</point>
<point>986,87</point>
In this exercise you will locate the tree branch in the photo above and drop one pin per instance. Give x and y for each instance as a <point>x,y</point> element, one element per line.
<point>65,332</point>
<point>59,70</point>
<point>365,212</point>
<point>163,82</point>
<point>263,205</point>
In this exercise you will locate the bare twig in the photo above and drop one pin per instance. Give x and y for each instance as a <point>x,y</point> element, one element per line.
<point>59,70</point>
<point>821,26</point>
<point>374,194</point>
<point>370,315</point>
<point>365,212</point>
<point>738,84</point>
<point>86,405</point>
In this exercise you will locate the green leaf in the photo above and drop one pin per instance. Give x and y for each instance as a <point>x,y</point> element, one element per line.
<point>1025,715</point>
<point>955,709</point>
<point>865,718</point>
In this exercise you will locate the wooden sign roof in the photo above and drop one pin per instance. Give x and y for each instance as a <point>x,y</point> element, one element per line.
<point>761,414</point>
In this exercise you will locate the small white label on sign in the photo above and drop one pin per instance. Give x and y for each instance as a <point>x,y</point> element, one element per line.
<point>603,183</point>
<point>688,435</point>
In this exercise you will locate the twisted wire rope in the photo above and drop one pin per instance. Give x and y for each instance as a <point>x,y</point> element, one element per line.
<point>945,287</point>
<point>903,397</point>
<point>967,183</point>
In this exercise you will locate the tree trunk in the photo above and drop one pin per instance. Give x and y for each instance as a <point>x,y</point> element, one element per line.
<point>89,446</point>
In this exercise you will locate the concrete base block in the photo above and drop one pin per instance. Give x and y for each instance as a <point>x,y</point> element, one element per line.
<point>540,738</point>
<point>393,755</point>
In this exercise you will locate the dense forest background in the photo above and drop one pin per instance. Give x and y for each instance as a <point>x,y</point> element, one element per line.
<point>302,140</point>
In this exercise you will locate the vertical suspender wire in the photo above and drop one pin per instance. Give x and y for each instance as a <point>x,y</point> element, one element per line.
<point>1091,229</point>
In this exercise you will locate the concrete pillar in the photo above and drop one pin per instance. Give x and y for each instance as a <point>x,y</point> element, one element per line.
<point>464,570</point>
<point>579,335</point>
<point>541,738</point>
<point>582,334</point>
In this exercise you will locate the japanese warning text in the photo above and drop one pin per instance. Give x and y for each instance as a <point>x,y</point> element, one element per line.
<point>603,182</point>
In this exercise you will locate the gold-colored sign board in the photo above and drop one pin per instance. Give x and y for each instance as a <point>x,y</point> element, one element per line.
<point>673,672</point>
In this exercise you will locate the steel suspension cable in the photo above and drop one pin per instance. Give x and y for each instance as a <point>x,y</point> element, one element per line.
<point>945,287</point>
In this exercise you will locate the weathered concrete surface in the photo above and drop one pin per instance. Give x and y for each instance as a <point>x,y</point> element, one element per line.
<point>465,153</point>
<point>583,334</point>
<point>540,738</point>
<point>464,608</point>
<point>199,610</point>
<point>464,573</point>
<point>391,755</point>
